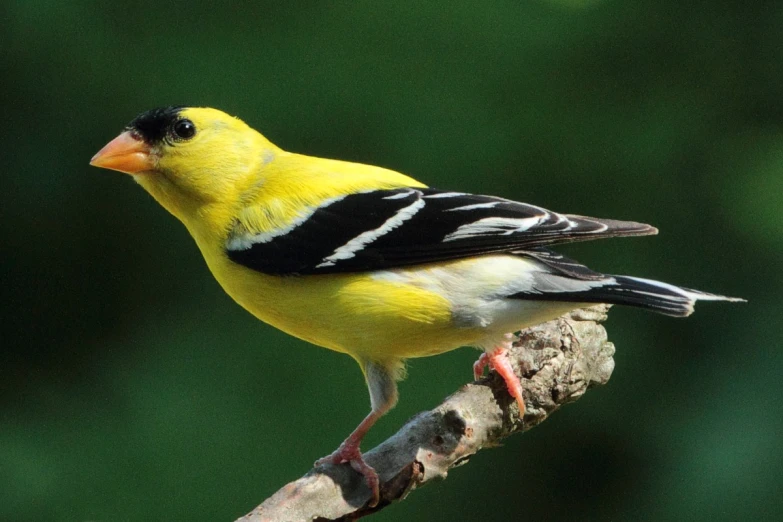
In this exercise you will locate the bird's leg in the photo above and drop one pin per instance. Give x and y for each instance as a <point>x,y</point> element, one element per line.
<point>383,397</point>
<point>497,359</point>
<point>349,452</point>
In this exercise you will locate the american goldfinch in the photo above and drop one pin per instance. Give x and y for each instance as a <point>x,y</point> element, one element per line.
<point>367,261</point>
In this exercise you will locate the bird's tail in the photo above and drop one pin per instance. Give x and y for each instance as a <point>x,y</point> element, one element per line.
<point>564,279</point>
<point>651,295</point>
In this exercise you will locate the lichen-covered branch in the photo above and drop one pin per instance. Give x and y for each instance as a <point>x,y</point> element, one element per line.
<point>557,362</point>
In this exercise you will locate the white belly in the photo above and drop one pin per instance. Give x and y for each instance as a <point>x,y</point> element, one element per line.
<point>478,290</point>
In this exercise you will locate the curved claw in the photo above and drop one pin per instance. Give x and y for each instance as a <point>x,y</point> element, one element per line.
<point>350,453</point>
<point>479,365</point>
<point>497,360</point>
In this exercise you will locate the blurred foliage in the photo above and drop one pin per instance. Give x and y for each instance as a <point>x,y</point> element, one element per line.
<point>134,389</point>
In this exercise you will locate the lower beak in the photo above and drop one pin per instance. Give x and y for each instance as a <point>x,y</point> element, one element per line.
<point>125,153</point>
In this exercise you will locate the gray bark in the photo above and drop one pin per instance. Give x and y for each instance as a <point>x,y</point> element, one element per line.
<point>556,361</point>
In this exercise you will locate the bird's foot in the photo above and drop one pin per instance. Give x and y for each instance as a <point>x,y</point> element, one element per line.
<point>497,360</point>
<point>349,452</point>
<point>479,365</point>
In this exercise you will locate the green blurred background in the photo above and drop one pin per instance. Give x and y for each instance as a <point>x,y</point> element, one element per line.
<point>133,388</point>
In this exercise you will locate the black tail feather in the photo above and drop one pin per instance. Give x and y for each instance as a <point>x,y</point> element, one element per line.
<point>632,291</point>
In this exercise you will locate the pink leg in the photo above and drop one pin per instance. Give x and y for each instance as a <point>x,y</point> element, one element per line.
<point>349,452</point>
<point>497,359</point>
<point>383,396</point>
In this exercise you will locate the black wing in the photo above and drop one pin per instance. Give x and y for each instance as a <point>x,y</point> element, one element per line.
<point>385,229</point>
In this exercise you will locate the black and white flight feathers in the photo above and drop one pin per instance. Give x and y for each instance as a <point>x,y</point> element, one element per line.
<point>386,229</point>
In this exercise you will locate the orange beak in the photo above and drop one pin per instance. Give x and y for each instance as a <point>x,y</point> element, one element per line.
<point>125,153</point>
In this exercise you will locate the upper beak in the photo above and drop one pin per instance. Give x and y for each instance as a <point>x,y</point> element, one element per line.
<point>125,153</point>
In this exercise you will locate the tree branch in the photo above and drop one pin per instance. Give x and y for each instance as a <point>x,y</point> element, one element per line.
<point>557,362</point>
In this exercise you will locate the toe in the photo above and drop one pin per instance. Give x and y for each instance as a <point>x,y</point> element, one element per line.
<point>479,365</point>
<point>352,455</point>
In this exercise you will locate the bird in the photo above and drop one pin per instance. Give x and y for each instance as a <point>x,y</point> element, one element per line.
<point>367,261</point>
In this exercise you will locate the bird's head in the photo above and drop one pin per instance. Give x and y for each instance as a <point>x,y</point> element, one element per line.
<point>187,157</point>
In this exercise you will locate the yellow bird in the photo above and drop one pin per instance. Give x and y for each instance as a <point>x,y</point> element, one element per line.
<point>367,261</point>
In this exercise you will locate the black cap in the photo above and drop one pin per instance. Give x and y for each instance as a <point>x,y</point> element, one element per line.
<point>153,125</point>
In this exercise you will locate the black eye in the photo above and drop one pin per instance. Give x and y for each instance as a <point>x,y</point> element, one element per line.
<point>184,129</point>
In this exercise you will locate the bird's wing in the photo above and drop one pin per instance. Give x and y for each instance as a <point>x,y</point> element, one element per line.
<point>384,229</point>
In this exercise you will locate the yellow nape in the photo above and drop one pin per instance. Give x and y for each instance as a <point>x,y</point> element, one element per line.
<point>230,175</point>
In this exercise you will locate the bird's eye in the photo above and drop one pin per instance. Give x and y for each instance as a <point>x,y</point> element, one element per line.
<point>184,129</point>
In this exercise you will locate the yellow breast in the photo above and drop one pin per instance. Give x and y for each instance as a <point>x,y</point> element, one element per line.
<point>352,313</point>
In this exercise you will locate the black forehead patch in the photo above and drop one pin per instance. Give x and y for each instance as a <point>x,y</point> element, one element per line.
<point>153,125</point>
